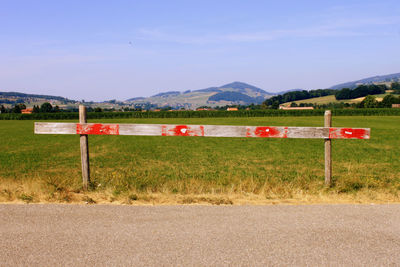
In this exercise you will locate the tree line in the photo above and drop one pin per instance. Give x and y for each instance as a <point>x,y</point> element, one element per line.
<point>342,94</point>
<point>370,101</point>
<point>203,114</point>
<point>360,91</point>
<point>46,107</point>
<point>275,101</point>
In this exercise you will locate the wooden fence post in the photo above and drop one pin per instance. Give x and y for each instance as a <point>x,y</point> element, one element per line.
<point>84,150</point>
<point>328,150</point>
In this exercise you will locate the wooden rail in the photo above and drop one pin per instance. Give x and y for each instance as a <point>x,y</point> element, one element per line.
<point>84,129</point>
<point>200,130</point>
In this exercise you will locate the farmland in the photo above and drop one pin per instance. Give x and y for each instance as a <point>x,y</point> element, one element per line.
<point>331,99</point>
<point>145,169</point>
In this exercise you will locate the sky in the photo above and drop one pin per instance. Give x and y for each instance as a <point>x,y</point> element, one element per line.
<point>100,50</point>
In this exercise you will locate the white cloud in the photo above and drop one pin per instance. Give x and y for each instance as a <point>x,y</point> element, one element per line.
<point>334,28</point>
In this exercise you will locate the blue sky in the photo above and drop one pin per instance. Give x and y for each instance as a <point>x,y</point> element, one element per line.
<point>100,50</point>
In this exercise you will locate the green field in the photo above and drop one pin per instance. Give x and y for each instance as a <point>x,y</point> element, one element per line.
<point>132,169</point>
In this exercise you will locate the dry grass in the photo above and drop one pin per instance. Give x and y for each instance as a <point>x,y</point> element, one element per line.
<point>350,191</point>
<point>299,198</point>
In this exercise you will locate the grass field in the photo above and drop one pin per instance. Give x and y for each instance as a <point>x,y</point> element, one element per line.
<point>134,169</point>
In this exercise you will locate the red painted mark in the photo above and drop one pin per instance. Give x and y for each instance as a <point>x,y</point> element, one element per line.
<point>182,130</point>
<point>248,134</point>
<point>97,128</point>
<point>348,133</point>
<point>285,133</point>
<point>268,132</point>
<point>164,130</point>
<point>202,130</point>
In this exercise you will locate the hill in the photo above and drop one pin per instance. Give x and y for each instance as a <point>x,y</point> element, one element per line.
<point>288,91</point>
<point>166,94</point>
<point>334,96</point>
<point>227,94</point>
<point>395,77</point>
<point>16,97</point>
<point>235,97</point>
<point>331,99</point>
<point>242,87</point>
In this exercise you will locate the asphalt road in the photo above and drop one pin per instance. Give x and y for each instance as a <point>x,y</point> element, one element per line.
<point>78,235</point>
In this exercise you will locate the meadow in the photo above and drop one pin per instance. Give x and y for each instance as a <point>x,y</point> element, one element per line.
<point>146,169</point>
<point>332,99</point>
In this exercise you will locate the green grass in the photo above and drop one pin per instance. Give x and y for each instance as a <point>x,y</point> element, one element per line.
<point>47,167</point>
<point>318,100</point>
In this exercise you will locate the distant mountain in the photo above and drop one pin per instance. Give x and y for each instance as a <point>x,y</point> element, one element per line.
<point>210,89</point>
<point>288,91</point>
<point>16,97</point>
<point>235,97</point>
<point>243,86</point>
<point>23,95</point>
<point>136,98</point>
<point>228,94</point>
<point>170,93</point>
<point>395,77</point>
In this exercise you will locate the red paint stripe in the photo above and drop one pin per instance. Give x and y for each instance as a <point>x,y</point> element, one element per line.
<point>97,129</point>
<point>348,133</point>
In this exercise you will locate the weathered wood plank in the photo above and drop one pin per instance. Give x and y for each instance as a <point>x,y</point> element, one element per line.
<point>328,149</point>
<point>55,128</point>
<point>201,130</point>
<point>348,133</point>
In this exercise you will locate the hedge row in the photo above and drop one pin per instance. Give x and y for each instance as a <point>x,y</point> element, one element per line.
<point>203,114</point>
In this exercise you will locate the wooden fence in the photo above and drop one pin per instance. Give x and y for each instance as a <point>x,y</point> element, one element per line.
<point>84,129</point>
